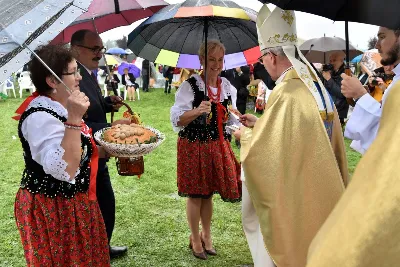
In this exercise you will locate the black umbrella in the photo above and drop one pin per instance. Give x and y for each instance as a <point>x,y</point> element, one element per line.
<point>174,34</point>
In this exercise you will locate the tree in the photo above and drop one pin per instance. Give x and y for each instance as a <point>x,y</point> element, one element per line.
<point>122,43</point>
<point>372,42</point>
<point>109,44</point>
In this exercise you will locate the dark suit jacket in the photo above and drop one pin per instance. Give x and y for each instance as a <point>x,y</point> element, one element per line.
<point>112,85</point>
<point>131,78</point>
<point>96,114</point>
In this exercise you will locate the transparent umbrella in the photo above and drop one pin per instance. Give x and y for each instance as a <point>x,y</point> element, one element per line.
<point>25,25</point>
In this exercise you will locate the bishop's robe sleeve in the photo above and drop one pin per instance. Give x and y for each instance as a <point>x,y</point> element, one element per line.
<point>363,124</point>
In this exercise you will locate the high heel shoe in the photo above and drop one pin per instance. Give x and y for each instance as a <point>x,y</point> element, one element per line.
<point>202,255</point>
<point>212,251</point>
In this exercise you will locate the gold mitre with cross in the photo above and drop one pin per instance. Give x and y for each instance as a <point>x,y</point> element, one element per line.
<point>278,28</point>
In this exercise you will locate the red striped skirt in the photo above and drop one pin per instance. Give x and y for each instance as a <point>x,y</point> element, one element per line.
<point>208,168</point>
<point>60,231</point>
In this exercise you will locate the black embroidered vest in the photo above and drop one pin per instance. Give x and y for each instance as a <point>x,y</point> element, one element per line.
<point>36,181</point>
<point>197,131</point>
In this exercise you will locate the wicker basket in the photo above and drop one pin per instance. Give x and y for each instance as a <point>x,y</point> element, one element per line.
<point>129,166</point>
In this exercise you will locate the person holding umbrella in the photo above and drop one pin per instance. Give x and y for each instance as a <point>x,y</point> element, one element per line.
<point>56,210</point>
<point>364,122</point>
<point>206,163</point>
<point>294,162</point>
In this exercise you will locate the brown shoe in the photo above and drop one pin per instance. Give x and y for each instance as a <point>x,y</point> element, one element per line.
<point>200,255</point>
<point>212,251</point>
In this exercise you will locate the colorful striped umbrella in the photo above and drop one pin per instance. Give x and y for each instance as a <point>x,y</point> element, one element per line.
<point>174,34</point>
<point>104,15</point>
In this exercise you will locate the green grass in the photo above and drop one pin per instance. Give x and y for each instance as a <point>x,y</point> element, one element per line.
<point>150,217</point>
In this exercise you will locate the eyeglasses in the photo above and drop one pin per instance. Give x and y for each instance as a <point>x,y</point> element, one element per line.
<point>76,73</point>
<point>260,59</point>
<point>95,49</point>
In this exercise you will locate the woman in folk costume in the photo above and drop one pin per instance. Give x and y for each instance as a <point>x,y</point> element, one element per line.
<point>294,162</point>
<point>56,210</point>
<point>206,163</point>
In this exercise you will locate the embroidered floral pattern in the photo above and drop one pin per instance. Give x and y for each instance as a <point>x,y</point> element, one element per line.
<point>278,39</point>
<point>288,17</point>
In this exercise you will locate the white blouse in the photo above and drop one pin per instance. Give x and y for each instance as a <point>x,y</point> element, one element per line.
<point>44,134</point>
<point>184,98</point>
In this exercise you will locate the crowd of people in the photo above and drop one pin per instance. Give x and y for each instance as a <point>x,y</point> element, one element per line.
<point>298,207</point>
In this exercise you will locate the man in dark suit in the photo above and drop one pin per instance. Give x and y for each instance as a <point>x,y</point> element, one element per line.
<point>239,78</point>
<point>145,74</point>
<point>87,48</point>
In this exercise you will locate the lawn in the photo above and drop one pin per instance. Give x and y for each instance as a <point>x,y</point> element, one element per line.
<point>150,217</point>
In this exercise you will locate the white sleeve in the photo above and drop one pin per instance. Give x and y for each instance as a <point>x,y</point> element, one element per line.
<point>233,93</point>
<point>44,134</point>
<point>363,124</point>
<point>184,98</point>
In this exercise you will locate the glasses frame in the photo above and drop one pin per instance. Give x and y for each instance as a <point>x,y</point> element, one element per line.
<point>94,49</point>
<point>260,59</point>
<point>76,73</point>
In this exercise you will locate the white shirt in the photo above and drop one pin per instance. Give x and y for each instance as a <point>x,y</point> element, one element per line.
<point>184,98</point>
<point>44,134</point>
<point>364,122</point>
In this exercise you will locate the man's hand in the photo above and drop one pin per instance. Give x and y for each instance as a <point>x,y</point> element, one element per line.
<point>123,121</point>
<point>248,120</point>
<point>116,102</point>
<point>352,87</point>
<point>327,75</point>
<point>115,99</point>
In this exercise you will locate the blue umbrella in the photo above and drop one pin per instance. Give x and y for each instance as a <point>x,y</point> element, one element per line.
<point>116,51</point>
<point>357,59</point>
<point>131,69</point>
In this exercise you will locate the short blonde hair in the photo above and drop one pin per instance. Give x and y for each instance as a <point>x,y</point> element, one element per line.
<point>211,46</point>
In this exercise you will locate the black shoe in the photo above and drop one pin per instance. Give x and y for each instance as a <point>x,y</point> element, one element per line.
<point>116,252</point>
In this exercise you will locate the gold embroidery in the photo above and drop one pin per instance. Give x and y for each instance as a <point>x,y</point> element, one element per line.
<point>327,116</point>
<point>277,39</point>
<point>307,79</point>
<point>288,17</point>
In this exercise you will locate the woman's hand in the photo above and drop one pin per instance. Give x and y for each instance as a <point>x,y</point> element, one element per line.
<point>248,120</point>
<point>77,105</point>
<point>205,107</point>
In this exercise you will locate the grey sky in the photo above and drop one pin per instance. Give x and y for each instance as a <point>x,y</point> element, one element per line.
<point>308,26</point>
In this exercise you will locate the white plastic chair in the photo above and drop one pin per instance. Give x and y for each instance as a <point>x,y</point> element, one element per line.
<point>8,85</point>
<point>25,82</point>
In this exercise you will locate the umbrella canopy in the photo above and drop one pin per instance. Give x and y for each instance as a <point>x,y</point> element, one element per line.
<point>109,14</point>
<point>173,35</point>
<point>318,50</point>
<point>111,60</point>
<point>116,51</point>
<point>131,69</point>
<point>356,59</point>
<point>375,12</point>
<point>31,24</point>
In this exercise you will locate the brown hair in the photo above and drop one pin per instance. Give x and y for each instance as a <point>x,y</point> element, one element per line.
<point>56,57</point>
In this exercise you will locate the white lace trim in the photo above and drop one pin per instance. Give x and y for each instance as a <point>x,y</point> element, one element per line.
<point>48,103</point>
<point>55,166</point>
<point>176,118</point>
<point>225,87</point>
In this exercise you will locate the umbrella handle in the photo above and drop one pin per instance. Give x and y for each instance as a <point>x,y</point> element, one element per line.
<point>350,101</point>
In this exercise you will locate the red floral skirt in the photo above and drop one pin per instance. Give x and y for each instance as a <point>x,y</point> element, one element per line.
<point>60,231</point>
<point>208,168</point>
